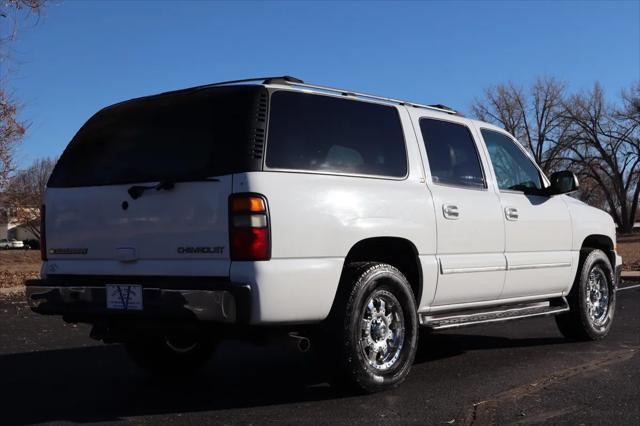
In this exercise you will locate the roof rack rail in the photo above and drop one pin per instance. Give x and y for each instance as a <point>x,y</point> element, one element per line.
<point>291,81</point>
<point>440,106</point>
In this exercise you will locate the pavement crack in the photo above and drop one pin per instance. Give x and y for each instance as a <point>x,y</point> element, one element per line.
<point>484,412</point>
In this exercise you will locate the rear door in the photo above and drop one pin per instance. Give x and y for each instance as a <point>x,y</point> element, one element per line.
<point>538,232</point>
<point>470,230</point>
<point>143,188</point>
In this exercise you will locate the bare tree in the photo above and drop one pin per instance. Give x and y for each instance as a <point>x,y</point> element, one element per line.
<point>15,11</point>
<point>534,117</point>
<point>604,148</point>
<point>12,130</point>
<point>24,194</point>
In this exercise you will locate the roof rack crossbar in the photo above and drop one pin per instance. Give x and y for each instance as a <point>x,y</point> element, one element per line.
<point>260,79</point>
<point>344,92</point>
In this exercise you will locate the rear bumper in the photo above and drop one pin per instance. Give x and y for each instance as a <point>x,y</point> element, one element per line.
<point>83,299</point>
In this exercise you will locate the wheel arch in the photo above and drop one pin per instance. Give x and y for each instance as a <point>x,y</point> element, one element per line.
<point>398,252</point>
<point>601,242</point>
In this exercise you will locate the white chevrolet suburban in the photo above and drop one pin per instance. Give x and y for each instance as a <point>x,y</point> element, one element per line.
<point>343,220</point>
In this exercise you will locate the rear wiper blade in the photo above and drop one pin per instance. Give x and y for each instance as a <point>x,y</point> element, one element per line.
<point>136,191</point>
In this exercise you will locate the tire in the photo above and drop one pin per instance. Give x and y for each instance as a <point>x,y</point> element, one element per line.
<point>162,355</point>
<point>589,318</point>
<point>377,341</point>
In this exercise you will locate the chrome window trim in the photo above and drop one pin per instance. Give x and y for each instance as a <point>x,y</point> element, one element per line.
<point>453,185</point>
<point>352,175</point>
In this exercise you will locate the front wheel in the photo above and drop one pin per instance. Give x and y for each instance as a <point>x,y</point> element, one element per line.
<point>377,327</point>
<point>171,355</point>
<point>592,300</point>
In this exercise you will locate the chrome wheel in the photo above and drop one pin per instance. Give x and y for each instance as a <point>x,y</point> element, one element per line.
<point>382,330</point>
<point>597,296</point>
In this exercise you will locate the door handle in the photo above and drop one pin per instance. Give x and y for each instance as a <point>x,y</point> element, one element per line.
<point>511,213</point>
<point>450,211</point>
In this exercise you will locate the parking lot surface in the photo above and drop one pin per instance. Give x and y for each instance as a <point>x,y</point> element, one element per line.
<point>514,373</point>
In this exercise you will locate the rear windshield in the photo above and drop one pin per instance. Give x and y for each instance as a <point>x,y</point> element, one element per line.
<point>177,136</point>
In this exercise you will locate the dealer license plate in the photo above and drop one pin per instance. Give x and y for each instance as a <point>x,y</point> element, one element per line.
<point>125,297</point>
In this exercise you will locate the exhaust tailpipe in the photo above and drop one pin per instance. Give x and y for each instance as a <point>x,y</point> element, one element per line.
<point>302,343</point>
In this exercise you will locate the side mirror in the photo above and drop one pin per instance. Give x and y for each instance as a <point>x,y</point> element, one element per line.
<point>563,182</point>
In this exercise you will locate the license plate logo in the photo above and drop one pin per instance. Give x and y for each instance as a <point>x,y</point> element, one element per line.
<point>124,297</point>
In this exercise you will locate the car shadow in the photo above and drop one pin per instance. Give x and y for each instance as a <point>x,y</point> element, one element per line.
<point>434,346</point>
<point>100,383</point>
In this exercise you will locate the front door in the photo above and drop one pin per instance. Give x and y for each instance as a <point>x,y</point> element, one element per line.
<point>469,225</point>
<point>537,228</point>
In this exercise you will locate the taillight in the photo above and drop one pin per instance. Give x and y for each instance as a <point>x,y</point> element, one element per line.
<point>249,234</point>
<point>43,234</point>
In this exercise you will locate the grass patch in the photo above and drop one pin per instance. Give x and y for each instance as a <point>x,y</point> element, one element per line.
<point>629,249</point>
<point>16,266</point>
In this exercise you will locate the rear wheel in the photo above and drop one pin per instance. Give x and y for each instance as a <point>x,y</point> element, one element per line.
<point>171,355</point>
<point>592,300</point>
<point>376,326</point>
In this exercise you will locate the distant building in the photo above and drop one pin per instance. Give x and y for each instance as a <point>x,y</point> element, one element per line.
<point>10,227</point>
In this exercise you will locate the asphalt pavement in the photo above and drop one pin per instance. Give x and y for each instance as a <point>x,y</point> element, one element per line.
<point>520,372</point>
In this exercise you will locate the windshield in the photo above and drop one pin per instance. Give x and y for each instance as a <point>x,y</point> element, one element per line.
<point>177,136</point>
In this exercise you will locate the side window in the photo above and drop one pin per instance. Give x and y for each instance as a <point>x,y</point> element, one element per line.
<point>451,150</point>
<point>323,133</point>
<point>514,170</point>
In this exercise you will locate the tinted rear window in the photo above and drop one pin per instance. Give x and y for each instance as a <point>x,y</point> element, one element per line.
<point>177,136</point>
<point>451,151</point>
<point>327,134</point>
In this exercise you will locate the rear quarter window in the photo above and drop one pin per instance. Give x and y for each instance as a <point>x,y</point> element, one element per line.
<point>327,134</point>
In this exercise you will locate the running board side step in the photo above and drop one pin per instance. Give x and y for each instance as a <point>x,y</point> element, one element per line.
<point>449,320</point>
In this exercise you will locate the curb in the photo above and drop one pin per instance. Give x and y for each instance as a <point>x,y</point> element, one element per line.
<point>631,276</point>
